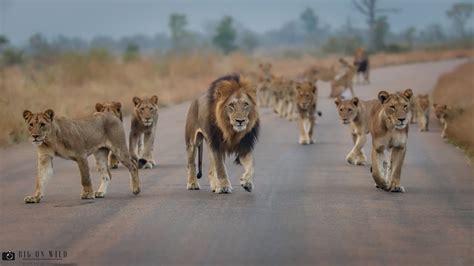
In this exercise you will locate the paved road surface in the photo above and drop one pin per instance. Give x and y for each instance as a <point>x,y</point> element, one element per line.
<point>308,206</point>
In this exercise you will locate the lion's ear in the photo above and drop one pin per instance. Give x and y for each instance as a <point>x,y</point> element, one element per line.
<point>408,93</point>
<point>223,89</point>
<point>99,107</point>
<point>49,114</point>
<point>154,99</point>
<point>314,87</point>
<point>136,100</point>
<point>117,105</point>
<point>355,101</point>
<point>383,96</point>
<point>337,101</point>
<point>27,115</point>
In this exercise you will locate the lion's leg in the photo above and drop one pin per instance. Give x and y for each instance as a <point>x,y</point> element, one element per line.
<point>427,121</point>
<point>140,145</point>
<point>45,171</point>
<point>124,157</point>
<point>133,145</point>
<point>113,162</point>
<point>445,128</point>
<point>356,156</point>
<point>311,123</point>
<point>246,181</point>
<point>149,142</point>
<point>398,156</point>
<point>302,139</point>
<point>212,173</point>
<point>192,183</point>
<point>102,168</point>
<point>223,183</point>
<point>87,191</point>
<point>378,157</point>
<point>354,137</point>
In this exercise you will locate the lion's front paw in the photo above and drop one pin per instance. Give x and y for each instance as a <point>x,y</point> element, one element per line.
<point>114,165</point>
<point>399,189</point>
<point>33,199</point>
<point>193,186</point>
<point>247,185</point>
<point>146,164</point>
<point>223,189</point>
<point>99,194</point>
<point>87,195</point>
<point>136,190</point>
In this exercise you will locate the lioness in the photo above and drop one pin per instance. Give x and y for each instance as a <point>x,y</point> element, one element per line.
<point>445,114</point>
<point>226,117</point>
<point>356,113</point>
<point>264,92</point>
<point>422,111</point>
<point>389,129</point>
<point>142,132</point>
<point>306,101</point>
<point>114,108</point>
<point>343,82</point>
<point>76,140</point>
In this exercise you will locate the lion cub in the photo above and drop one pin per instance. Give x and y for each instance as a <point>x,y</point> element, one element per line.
<point>306,100</point>
<point>142,132</point>
<point>445,114</point>
<point>389,129</point>
<point>422,111</point>
<point>114,108</point>
<point>76,140</point>
<point>356,113</point>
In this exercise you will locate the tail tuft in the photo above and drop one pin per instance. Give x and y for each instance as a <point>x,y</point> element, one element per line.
<point>320,113</point>
<point>199,175</point>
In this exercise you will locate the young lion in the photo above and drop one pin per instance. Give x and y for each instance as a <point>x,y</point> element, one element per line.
<point>389,129</point>
<point>76,140</point>
<point>445,114</point>
<point>226,117</point>
<point>114,108</point>
<point>142,132</point>
<point>422,111</point>
<point>306,100</point>
<point>340,84</point>
<point>356,113</point>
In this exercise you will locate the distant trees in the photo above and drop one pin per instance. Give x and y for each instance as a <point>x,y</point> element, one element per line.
<point>225,36</point>
<point>459,14</point>
<point>177,24</point>
<point>376,23</point>
<point>310,20</point>
<point>409,36</point>
<point>380,31</point>
<point>132,52</point>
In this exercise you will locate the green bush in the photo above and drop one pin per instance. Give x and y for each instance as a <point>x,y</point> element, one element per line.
<point>12,56</point>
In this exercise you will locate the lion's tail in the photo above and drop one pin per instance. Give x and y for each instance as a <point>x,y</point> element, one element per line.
<point>199,174</point>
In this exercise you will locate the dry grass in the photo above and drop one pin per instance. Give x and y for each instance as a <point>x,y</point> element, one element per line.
<point>456,89</point>
<point>75,82</point>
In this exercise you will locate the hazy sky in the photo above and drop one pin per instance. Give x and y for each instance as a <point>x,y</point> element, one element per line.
<point>88,18</point>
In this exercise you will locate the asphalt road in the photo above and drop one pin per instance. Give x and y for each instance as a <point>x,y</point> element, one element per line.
<point>308,206</point>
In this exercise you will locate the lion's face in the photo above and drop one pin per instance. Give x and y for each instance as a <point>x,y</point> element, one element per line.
<point>238,108</point>
<point>423,102</point>
<point>306,94</point>
<point>347,109</point>
<point>110,107</point>
<point>396,107</point>
<point>146,109</point>
<point>441,111</point>
<point>39,125</point>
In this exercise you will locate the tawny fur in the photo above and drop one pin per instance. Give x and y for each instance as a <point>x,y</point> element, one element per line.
<point>306,102</point>
<point>76,140</point>
<point>445,114</point>
<point>114,108</point>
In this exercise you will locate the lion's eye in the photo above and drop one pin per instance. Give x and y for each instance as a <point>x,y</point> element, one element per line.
<point>42,125</point>
<point>350,109</point>
<point>393,107</point>
<point>340,109</point>
<point>246,105</point>
<point>31,125</point>
<point>142,109</point>
<point>405,106</point>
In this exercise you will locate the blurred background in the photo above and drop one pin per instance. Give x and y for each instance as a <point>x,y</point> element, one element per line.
<point>70,54</point>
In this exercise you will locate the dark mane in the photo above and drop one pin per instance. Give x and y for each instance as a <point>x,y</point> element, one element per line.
<point>216,138</point>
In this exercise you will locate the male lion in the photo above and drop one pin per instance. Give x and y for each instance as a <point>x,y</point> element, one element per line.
<point>226,117</point>
<point>389,129</point>
<point>114,108</point>
<point>76,140</point>
<point>446,114</point>
<point>356,113</point>
<point>142,132</point>
<point>306,101</point>
<point>361,62</point>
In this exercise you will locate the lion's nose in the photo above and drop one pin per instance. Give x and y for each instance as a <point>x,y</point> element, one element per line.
<point>401,120</point>
<point>240,121</point>
<point>35,136</point>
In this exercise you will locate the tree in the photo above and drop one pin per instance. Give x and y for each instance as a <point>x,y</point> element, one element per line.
<point>225,35</point>
<point>381,29</point>
<point>132,52</point>
<point>409,36</point>
<point>369,9</point>
<point>177,24</point>
<point>310,20</point>
<point>249,41</point>
<point>460,13</point>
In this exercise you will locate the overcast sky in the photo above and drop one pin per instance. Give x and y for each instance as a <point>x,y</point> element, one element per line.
<point>88,18</point>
